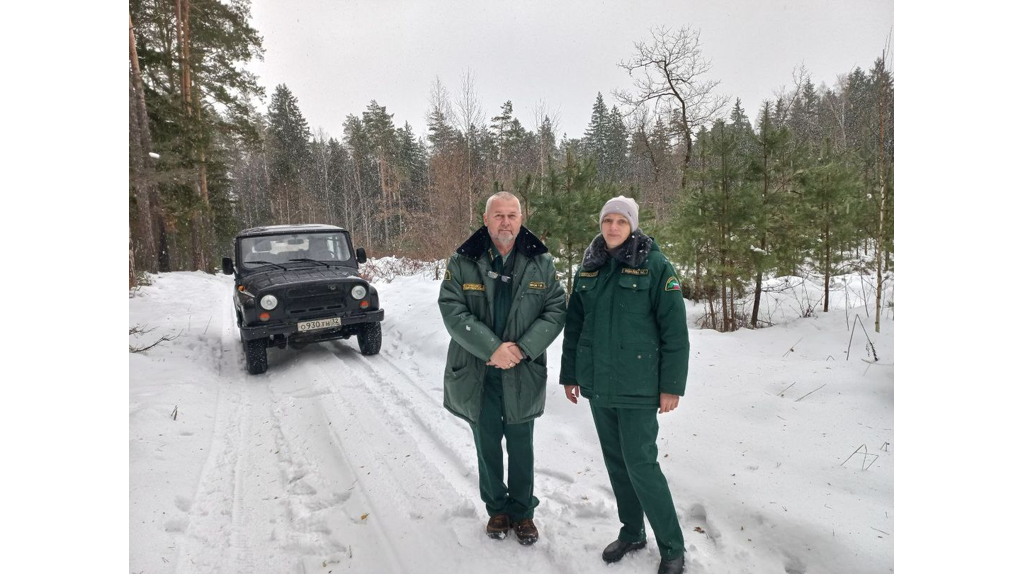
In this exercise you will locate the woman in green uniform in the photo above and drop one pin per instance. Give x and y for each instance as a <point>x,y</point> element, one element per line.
<point>626,350</point>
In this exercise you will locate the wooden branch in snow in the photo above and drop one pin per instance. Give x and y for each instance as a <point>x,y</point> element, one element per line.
<point>863,328</point>
<point>162,339</point>
<point>809,394</point>
<point>793,348</point>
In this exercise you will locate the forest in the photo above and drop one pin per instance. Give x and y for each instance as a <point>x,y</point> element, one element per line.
<point>798,184</point>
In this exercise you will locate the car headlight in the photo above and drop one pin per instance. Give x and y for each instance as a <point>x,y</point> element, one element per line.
<point>358,292</point>
<point>268,302</point>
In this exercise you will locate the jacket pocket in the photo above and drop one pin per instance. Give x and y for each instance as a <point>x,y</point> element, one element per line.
<point>585,366</point>
<point>463,384</point>
<point>638,369</point>
<point>532,379</point>
<point>634,294</point>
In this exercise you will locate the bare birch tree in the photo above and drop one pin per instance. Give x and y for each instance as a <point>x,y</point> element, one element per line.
<point>671,71</point>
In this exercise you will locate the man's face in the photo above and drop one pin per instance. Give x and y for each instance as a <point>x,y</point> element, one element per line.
<point>615,229</point>
<point>503,221</point>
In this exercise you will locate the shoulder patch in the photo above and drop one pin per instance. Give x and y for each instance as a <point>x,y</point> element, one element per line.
<point>472,287</point>
<point>632,271</point>
<point>447,275</point>
<point>589,273</point>
<point>537,285</point>
<point>672,284</point>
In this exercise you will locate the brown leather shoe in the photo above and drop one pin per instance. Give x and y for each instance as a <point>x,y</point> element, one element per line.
<point>498,526</point>
<point>526,531</point>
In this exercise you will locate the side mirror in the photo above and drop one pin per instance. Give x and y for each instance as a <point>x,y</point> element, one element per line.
<point>229,266</point>
<point>361,255</point>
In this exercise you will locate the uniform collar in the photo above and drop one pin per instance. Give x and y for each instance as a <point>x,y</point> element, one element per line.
<point>526,243</point>
<point>633,252</point>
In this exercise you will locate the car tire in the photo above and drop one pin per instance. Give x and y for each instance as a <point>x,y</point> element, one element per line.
<point>369,338</point>
<point>255,356</point>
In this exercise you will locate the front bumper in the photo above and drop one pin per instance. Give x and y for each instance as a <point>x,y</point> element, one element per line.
<point>289,328</point>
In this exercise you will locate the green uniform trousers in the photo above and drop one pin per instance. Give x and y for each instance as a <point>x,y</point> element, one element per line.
<point>628,441</point>
<point>517,499</point>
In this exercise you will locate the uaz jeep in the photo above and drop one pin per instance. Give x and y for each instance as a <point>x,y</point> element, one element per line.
<point>300,284</point>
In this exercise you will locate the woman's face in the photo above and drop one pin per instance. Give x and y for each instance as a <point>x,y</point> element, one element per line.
<point>615,229</point>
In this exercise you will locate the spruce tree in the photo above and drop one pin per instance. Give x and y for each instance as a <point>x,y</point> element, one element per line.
<point>290,156</point>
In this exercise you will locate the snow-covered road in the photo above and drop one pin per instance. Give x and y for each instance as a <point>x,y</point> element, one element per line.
<point>335,462</point>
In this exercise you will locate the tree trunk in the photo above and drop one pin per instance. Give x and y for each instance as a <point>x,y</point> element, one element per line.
<point>732,304</point>
<point>144,191</point>
<point>828,265</point>
<point>697,287</point>
<point>757,301</point>
<point>131,261</point>
<point>880,243</point>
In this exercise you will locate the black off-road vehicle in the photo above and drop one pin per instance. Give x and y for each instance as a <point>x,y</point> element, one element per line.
<point>300,284</point>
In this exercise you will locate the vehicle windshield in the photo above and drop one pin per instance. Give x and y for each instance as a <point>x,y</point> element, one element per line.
<point>296,248</point>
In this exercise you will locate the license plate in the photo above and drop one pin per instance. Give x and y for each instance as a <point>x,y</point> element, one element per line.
<point>318,324</point>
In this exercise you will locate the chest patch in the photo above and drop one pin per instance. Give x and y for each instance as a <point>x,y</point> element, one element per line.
<point>472,287</point>
<point>589,273</point>
<point>537,285</point>
<point>631,271</point>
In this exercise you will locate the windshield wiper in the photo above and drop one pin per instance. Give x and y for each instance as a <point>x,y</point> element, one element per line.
<point>309,260</point>
<point>264,263</point>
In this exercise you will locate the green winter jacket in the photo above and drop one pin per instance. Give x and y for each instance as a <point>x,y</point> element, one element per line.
<point>536,317</point>
<point>626,340</point>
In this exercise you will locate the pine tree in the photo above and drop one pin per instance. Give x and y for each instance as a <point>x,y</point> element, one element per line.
<point>717,219</point>
<point>779,246</point>
<point>565,215</point>
<point>191,57</point>
<point>829,188</point>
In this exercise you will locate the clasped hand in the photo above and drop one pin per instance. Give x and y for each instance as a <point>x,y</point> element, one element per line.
<point>507,356</point>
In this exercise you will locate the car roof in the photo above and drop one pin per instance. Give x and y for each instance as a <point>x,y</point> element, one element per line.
<point>283,229</point>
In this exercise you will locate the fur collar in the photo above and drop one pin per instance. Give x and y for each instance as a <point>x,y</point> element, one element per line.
<point>633,252</point>
<point>526,243</point>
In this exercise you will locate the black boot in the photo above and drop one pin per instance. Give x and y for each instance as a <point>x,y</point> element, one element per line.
<point>616,550</point>
<point>671,566</point>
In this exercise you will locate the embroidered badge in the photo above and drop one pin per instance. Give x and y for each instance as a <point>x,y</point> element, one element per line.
<point>672,284</point>
<point>537,285</point>
<point>631,271</point>
<point>589,273</point>
<point>447,275</point>
<point>472,287</point>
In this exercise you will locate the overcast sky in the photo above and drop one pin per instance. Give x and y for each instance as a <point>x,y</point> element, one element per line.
<point>337,55</point>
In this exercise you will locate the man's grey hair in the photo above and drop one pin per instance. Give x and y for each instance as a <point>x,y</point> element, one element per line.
<point>505,196</point>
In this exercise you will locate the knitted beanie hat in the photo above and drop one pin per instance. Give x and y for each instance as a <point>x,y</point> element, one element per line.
<point>624,206</point>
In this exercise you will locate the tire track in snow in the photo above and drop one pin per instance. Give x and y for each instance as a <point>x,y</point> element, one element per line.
<point>380,379</point>
<point>390,471</point>
<point>210,519</point>
<point>429,433</point>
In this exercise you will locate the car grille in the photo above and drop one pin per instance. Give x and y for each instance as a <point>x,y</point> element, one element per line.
<point>313,299</point>
<point>317,291</point>
<point>308,307</point>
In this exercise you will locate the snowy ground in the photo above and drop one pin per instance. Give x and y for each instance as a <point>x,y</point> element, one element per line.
<point>335,462</point>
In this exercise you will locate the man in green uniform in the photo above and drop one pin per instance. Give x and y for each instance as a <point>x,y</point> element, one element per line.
<point>502,306</point>
<point>626,349</point>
